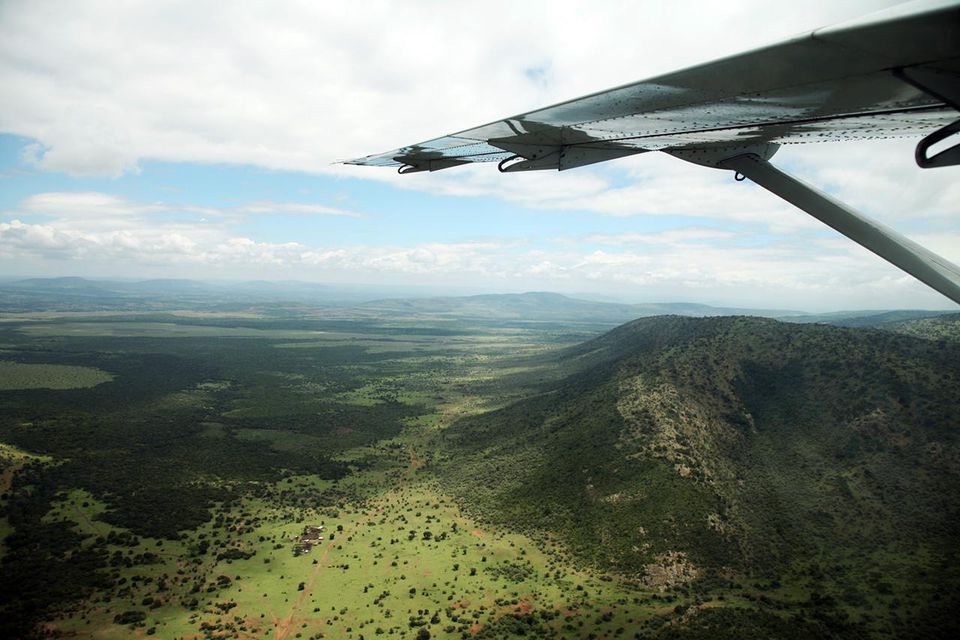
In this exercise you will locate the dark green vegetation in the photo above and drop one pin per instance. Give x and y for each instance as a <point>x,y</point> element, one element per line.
<point>691,452</point>
<point>673,478</point>
<point>945,327</point>
<point>210,419</point>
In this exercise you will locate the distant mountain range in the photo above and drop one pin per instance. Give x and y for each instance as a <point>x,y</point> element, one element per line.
<point>73,293</point>
<point>166,286</point>
<point>545,306</point>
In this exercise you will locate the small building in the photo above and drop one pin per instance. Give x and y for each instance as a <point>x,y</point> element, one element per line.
<point>311,536</point>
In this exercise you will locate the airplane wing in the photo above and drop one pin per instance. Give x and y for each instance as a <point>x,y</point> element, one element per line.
<point>894,73</point>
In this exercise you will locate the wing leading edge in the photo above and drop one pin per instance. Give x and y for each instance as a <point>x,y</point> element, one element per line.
<point>895,73</point>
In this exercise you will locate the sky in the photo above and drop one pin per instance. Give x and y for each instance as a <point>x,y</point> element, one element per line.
<point>200,140</point>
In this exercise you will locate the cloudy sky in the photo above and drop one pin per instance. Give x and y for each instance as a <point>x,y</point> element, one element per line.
<point>199,139</point>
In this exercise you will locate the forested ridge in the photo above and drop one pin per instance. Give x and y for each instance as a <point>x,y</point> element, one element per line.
<point>738,448</point>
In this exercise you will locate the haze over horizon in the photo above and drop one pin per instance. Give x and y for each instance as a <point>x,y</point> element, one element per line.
<point>169,141</point>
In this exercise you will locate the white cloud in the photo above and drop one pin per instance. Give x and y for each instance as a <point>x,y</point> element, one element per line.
<point>879,177</point>
<point>102,86</point>
<point>295,207</point>
<point>101,229</point>
<point>99,233</point>
<point>64,204</point>
<point>684,235</point>
<point>104,208</point>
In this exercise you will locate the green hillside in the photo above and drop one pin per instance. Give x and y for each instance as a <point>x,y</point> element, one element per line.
<point>945,327</point>
<point>700,452</point>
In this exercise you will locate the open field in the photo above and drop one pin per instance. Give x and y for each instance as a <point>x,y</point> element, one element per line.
<point>309,425</point>
<point>156,330</point>
<point>17,375</point>
<point>402,560</point>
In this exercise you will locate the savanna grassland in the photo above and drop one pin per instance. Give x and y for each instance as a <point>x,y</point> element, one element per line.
<point>166,496</point>
<point>167,474</point>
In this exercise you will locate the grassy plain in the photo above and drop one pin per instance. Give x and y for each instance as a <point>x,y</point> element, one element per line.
<point>17,375</point>
<point>187,479</point>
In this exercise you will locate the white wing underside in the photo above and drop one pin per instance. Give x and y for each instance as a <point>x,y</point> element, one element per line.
<point>836,83</point>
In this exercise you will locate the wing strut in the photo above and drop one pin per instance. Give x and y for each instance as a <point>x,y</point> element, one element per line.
<point>931,269</point>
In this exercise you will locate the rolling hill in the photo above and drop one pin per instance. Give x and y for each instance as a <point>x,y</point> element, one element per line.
<point>692,452</point>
